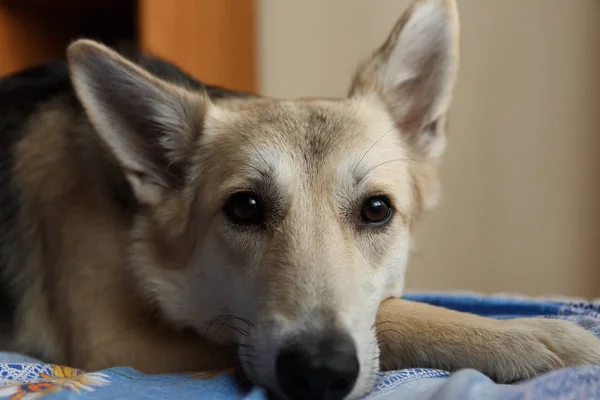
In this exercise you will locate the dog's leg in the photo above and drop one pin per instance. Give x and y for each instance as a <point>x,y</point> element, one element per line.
<point>420,335</point>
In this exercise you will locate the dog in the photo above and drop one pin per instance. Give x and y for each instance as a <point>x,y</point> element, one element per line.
<point>154,221</point>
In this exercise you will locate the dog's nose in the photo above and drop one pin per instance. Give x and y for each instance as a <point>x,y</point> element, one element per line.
<point>322,370</point>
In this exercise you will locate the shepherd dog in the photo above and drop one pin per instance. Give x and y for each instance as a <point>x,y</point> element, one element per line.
<point>150,220</point>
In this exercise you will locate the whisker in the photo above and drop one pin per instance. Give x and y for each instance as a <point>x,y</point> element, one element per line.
<point>363,176</point>
<point>370,148</point>
<point>235,328</point>
<point>247,322</point>
<point>224,322</point>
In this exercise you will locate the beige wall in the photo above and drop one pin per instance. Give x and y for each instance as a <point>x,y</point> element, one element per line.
<point>521,204</point>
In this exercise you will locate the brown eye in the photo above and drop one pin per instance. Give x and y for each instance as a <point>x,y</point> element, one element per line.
<point>244,209</point>
<point>376,210</point>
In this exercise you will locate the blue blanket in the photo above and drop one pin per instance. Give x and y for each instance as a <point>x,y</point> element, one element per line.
<point>24,378</point>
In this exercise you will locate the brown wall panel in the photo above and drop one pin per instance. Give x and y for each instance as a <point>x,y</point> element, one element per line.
<point>212,40</point>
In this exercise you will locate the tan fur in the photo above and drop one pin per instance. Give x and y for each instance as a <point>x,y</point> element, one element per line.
<point>150,289</point>
<point>79,270</point>
<point>506,350</point>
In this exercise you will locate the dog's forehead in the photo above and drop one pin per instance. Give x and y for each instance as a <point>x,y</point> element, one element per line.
<point>309,129</point>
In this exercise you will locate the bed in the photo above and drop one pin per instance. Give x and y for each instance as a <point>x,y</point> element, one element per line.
<point>25,378</point>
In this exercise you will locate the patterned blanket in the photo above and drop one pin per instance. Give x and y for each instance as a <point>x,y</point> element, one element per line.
<point>25,378</point>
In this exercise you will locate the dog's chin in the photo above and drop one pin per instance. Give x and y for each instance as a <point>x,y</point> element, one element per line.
<point>369,368</point>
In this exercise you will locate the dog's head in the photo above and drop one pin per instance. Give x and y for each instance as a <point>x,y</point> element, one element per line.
<point>287,221</point>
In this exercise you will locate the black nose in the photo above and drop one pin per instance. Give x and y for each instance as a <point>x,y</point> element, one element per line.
<point>324,369</point>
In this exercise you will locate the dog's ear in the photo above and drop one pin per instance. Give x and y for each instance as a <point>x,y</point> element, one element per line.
<point>149,124</point>
<point>414,71</point>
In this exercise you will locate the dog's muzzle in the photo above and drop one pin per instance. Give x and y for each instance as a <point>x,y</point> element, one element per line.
<point>317,367</point>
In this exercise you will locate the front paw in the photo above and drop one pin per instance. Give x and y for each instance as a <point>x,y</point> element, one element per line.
<point>572,344</point>
<point>538,345</point>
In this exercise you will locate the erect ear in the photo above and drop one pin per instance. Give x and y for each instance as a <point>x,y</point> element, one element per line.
<point>414,71</point>
<point>149,124</point>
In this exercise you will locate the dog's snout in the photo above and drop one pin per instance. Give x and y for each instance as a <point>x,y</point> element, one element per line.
<point>324,369</point>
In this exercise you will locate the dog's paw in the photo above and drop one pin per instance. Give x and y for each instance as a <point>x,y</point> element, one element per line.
<point>537,345</point>
<point>572,344</point>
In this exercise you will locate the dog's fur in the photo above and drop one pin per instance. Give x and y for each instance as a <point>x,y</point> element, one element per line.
<point>115,249</point>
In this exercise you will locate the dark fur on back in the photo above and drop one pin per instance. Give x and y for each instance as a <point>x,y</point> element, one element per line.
<point>21,96</point>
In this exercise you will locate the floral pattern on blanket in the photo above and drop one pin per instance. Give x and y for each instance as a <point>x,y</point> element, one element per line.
<point>32,381</point>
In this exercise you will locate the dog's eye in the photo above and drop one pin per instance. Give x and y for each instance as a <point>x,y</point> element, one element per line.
<point>376,210</point>
<point>244,209</point>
